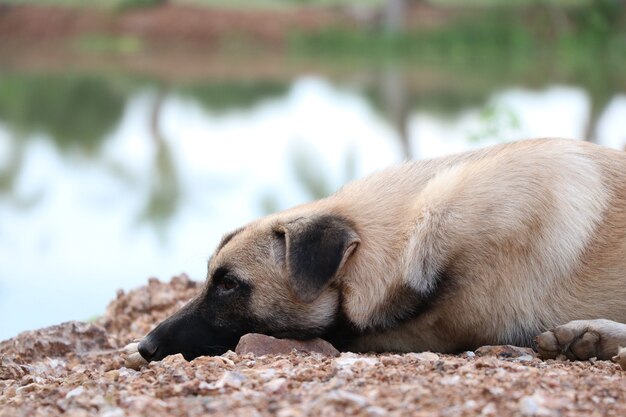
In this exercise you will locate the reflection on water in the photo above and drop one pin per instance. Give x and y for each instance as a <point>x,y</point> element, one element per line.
<point>104,183</point>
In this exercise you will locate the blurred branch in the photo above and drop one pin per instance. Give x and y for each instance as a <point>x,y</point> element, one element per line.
<point>165,191</point>
<point>394,16</point>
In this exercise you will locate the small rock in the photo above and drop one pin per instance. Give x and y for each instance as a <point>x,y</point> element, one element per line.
<point>488,410</point>
<point>213,362</point>
<point>343,396</point>
<point>112,375</point>
<point>470,405</point>
<point>423,356</point>
<point>505,351</point>
<point>75,392</point>
<point>351,360</point>
<point>450,380</point>
<point>532,405</point>
<point>528,406</point>
<point>290,411</point>
<point>259,344</point>
<point>11,370</point>
<point>112,412</point>
<point>275,384</point>
<point>173,361</point>
<point>33,386</point>
<point>373,410</point>
<point>230,379</point>
<point>390,360</point>
<point>266,374</point>
<point>57,341</point>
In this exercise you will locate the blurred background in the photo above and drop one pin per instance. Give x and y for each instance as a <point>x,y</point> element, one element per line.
<point>134,133</point>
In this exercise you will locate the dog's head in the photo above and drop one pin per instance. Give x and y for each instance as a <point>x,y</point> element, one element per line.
<point>278,276</point>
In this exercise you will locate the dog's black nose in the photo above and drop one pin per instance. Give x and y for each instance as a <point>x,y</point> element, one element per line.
<point>148,348</point>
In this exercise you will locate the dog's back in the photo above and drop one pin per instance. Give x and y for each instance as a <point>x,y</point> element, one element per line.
<point>529,235</point>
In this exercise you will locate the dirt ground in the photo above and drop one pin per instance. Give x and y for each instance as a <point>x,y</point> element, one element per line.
<point>75,369</point>
<point>175,22</point>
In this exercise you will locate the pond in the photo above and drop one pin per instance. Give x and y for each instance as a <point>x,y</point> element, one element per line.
<point>106,180</point>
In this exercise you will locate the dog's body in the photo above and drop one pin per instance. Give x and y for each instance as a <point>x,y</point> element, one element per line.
<point>488,247</point>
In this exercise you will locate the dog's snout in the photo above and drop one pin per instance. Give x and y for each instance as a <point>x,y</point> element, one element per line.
<point>148,348</point>
<point>189,333</point>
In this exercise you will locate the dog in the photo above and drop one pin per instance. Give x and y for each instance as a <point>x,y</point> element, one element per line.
<point>521,243</point>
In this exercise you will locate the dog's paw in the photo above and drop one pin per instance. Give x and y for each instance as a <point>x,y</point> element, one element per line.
<point>582,340</point>
<point>132,357</point>
<point>621,358</point>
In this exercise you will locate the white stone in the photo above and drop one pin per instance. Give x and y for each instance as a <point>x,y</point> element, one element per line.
<point>75,392</point>
<point>230,379</point>
<point>348,362</point>
<point>275,384</point>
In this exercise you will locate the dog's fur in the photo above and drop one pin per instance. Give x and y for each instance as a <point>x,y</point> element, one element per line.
<point>494,246</point>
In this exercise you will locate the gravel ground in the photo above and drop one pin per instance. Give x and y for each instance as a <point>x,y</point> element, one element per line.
<point>75,369</point>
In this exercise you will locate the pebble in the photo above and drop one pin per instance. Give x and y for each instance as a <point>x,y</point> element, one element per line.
<point>525,358</point>
<point>112,412</point>
<point>275,384</point>
<point>75,392</point>
<point>230,379</point>
<point>532,405</point>
<point>259,344</point>
<point>346,361</point>
<point>423,356</point>
<point>342,395</point>
<point>488,410</point>
<point>112,375</point>
<point>505,351</point>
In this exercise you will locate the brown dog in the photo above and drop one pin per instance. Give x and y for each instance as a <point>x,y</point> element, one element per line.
<point>494,246</point>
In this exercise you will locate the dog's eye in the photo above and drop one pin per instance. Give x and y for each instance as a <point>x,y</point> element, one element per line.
<point>226,284</point>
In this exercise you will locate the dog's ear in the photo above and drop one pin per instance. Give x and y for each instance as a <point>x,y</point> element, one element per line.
<point>316,249</point>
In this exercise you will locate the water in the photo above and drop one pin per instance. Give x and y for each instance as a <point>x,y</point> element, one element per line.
<point>103,185</point>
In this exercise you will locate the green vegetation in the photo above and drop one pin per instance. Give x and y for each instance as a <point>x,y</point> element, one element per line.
<point>568,41</point>
<point>285,4</point>
<point>95,44</point>
<point>77,112</point>
<point>73,3</point>
<point>238,4</point>
<point>233,95</point>
<point>584,44</point>
<point>489,33</point>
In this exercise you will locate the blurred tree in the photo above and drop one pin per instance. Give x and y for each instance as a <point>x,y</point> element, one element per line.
<point>597,23</point>
<point>9,172</point>
<point>77,112</point>
<point>165,190</point>
<point>234,95</point>
<point>132,4</point>
<point>394,16</point>
<point>309,171</point>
